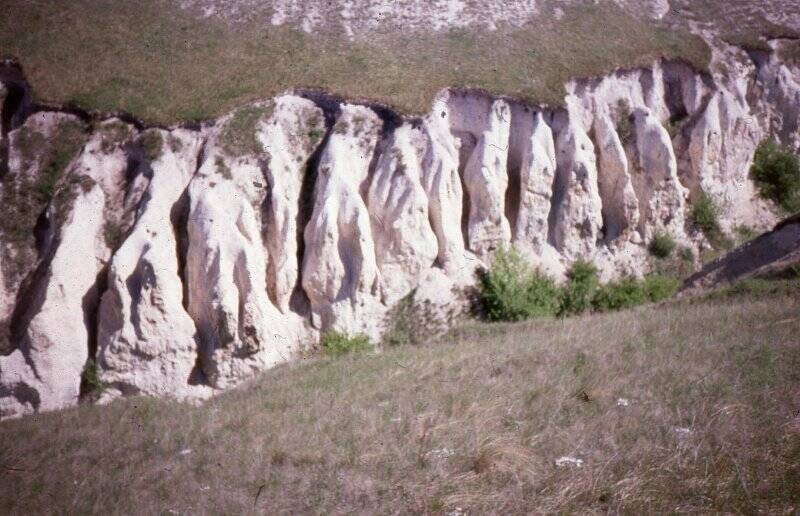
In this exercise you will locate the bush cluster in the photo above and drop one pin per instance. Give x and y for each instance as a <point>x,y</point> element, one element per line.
<point>776,173</point>
<point>511,291</point>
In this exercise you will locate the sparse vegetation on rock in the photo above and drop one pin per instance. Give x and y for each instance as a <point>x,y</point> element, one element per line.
<point>152,144</point>
<point>238,136</point>
<point>704,215</point>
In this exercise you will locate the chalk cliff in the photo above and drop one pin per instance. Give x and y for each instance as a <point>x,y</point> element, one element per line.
<point>183,260</point>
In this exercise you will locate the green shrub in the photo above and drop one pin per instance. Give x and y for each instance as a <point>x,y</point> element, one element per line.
<point>90,378</point>
<point>662,245</point>
<point>629,292</point>
<point>657,287</point>
<point>580,289</point>
<point>776,173</point>
<point>620,294</point>
<point>511,291</point>
<point>704,215</point>
<point>336,344</point>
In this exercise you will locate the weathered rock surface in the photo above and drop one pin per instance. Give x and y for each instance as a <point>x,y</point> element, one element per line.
<point>340,270</point>
<point>44,372</point>
<point>147,343</point>
<point>184,268</point>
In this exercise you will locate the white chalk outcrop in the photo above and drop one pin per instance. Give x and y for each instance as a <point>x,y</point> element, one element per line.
<point>185,271</point>
<point>147,342</point>
<point>340,270</point>
<point>44,372</point>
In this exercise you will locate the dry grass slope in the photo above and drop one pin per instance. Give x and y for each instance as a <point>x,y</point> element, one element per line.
<point>711,425</point>
<point>164,65</point>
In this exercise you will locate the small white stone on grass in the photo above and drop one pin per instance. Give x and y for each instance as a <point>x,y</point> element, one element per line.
<point>442,453</point>
<point>623,402</point>
<point>562,462</point>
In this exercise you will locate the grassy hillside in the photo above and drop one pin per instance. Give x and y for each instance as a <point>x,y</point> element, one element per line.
<point>681,407</point>
<point>163,64</point>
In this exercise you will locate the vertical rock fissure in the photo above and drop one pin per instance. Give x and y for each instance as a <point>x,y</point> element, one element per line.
<point>465,150</point>
<point>179,219</point>
<point>299,301</point>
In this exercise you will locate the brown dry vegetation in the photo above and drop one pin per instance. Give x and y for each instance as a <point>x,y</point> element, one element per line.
<point>476,421</point>
<point>163,64</point>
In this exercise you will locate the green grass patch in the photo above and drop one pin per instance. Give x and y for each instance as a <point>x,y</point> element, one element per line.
<point>629,292</point>
<point>337,344</point>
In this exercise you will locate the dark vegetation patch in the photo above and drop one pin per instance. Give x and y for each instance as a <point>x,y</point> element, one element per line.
<point>662,245</point>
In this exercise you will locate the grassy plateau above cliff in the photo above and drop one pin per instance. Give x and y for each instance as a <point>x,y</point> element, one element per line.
<point>166,64</point>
